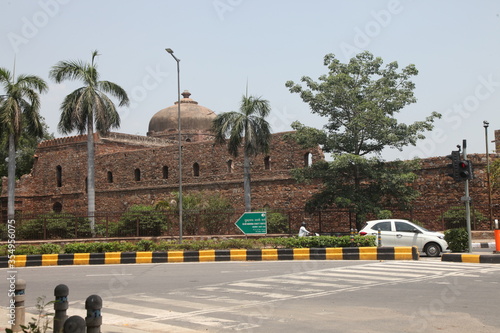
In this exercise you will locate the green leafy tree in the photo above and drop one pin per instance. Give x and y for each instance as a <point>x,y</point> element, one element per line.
<point>25,150</point>
<point>86,107</point>
<point>247,129</point>
<point>19,109</point>
<point>360,100</point>
<point>495,175</point>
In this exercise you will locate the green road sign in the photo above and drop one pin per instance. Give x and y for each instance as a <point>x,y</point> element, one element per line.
<point>253,223</point>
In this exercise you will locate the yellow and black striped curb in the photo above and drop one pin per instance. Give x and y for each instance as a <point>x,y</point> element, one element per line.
<point>472,258</point>
<point>351,253</point>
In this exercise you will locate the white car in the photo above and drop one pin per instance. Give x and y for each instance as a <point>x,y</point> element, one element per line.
<point>395,232</point>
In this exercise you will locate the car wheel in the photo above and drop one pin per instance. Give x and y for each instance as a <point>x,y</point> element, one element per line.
<point>432,250</point>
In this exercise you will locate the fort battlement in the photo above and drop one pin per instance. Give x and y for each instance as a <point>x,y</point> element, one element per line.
<point>65,140</point>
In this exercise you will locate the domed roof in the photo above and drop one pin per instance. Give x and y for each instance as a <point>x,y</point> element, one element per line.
<point>196,121</point>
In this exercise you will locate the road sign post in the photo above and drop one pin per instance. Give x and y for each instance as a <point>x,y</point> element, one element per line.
<point>253,223</point>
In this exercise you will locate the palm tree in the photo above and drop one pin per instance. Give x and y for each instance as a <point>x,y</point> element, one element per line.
<point>246,127</point>
<point>20,105</point>
<point>86,107</point>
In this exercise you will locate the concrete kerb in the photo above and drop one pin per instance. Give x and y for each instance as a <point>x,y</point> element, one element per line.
<point>479,258</point>
<point>484,245</point>
<point>472,258</point>
<point>347,253</point>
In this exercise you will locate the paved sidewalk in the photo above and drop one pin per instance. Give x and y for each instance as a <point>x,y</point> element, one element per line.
<point>4,312</point>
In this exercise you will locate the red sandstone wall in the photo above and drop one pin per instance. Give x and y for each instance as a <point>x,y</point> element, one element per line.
<point>38,192</point>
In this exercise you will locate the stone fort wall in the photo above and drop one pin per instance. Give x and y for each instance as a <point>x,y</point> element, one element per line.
<point>145,170</point>
<point>141,170</point>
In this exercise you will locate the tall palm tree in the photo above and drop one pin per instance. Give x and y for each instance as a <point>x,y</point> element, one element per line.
<point>86,107</point>
<point>248,128</point>
<point>19,105</point>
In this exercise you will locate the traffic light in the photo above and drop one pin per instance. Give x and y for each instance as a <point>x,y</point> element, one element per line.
<point>455,168</point>
<point>465,170</point>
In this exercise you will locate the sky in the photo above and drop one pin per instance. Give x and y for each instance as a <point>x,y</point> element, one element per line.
<point>225,46</point>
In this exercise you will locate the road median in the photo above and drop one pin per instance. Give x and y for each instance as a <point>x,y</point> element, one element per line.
<point>109,258</point>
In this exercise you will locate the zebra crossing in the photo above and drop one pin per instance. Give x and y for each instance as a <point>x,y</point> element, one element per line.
<point>243,305</point>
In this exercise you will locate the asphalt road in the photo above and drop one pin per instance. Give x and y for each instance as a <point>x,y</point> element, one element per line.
<point>297,296</point>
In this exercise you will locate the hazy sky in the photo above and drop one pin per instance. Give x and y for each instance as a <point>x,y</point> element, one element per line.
<point>223,44</point>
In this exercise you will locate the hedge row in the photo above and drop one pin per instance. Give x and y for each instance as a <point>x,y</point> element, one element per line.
<point>188,245</point>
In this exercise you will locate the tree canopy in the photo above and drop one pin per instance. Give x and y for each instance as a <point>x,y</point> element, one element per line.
<point>361,100</point>
<point>247,129</point>
<point>86,107</point>
<point>19,109</point>
<point>25,149</point>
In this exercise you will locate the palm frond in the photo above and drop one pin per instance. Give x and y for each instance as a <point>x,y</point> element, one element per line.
<point>69,70</point>
<point>114,90</point>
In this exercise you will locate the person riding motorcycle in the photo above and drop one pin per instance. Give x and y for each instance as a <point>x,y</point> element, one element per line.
<point>303,231</point>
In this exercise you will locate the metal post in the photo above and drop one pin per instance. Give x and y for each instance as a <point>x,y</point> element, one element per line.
<point>467,201</point>
<point>379,238</point>
<point>93,305</point>
<point>352,237</point>
<point>180,138</point>
<point>490,209</point>
<point>74,324</point>
<point>19,298</point>
<point>61,293</point>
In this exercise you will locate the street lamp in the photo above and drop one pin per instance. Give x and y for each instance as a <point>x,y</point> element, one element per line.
<point>485,125</point>
<point>180,139</point>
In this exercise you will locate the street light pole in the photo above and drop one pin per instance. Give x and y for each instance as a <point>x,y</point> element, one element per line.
<point>180,138</point>
<point>485,125</point>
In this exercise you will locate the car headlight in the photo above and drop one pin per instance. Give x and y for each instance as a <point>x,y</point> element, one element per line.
<point>441,237</point>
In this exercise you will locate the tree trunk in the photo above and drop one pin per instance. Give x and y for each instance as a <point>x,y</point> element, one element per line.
<point>11,174</point>
<point>246,183</point>
<point>91,175</point>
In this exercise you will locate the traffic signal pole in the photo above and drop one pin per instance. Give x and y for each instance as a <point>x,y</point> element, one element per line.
<point>467,201</point>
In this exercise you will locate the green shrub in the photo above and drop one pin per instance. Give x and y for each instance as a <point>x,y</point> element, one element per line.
<point>106,247</point>
<point>49,248</point>
<point>202,212</point>
<point>191,245</point>
<point>57,226</point>
<point>25,249</point>
<point>147,219</point>
<point>239,243</point>
<point>458,239</point>
<point>277,223</point>
<point>145,245</point>
<point>455,217</point>
<point>213,218</point>
<point>30,229</point>
<point>3,232</point>
<point>78,248</point>
<point>165,245</point>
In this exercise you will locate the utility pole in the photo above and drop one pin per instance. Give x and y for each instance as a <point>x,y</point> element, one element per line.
<point>467,200</point>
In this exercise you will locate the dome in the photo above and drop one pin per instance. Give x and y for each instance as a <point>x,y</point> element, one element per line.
<point>196,121</point>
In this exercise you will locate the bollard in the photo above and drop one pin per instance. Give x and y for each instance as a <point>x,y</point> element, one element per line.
<point>352,237</point>
<point>74,324</point>
<point>61,293</point>
<point>379,238</point>
<point>93,304</point>
<point>19,298</point>
<point>497,237</point>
